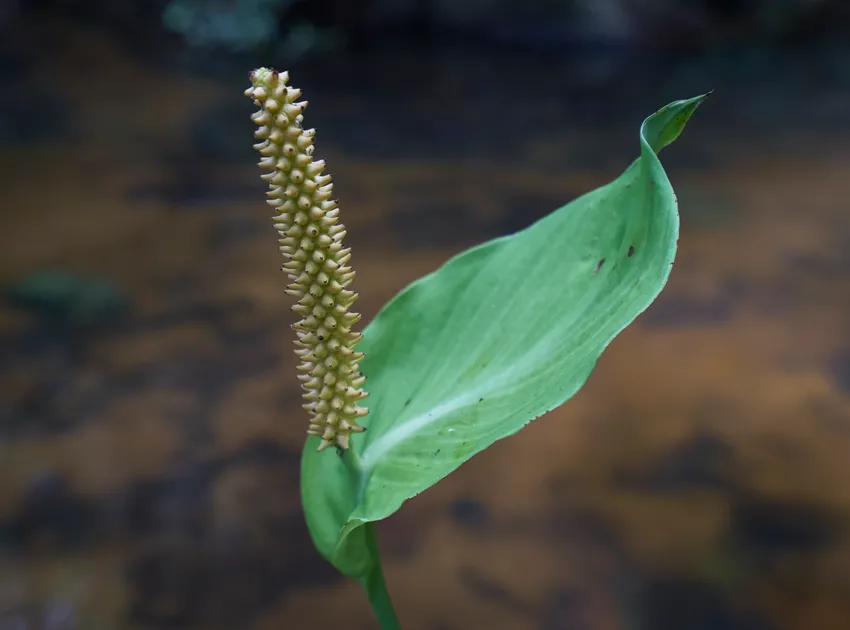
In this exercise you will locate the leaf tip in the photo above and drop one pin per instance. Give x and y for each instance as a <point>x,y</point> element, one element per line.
<point>665,125</point>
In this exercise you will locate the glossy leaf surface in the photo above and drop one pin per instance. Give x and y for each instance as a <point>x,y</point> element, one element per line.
<point>496,337</point>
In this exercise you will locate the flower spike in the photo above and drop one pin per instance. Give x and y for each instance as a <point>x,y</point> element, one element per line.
<point>310,239</point>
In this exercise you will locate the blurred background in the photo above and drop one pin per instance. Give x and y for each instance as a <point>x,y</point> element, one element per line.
<point>150,421</point>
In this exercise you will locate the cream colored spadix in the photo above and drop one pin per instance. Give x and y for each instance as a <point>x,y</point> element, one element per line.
<point>307,221</point>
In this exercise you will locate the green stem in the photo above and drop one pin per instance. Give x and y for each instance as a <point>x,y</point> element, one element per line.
<point>376,588</point>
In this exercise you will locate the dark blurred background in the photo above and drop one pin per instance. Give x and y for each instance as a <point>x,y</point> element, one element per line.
<point>150,422</point>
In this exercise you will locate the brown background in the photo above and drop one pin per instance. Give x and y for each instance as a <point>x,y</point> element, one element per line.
<point>148,465</point>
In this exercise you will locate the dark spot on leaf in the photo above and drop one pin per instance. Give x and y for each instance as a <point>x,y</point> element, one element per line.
<point>469,512</point>
<point>437,452</point>
<point>599,265</point>
<point>480,400</point>
<point>652,183</point>
<point>631,251</point>
<point>407,402</point>
<point>628,185</point>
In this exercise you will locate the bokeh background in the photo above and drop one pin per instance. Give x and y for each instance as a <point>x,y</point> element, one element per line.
<point>150,422</point>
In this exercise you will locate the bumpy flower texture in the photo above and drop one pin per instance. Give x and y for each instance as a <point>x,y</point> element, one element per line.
<point>310,239</point>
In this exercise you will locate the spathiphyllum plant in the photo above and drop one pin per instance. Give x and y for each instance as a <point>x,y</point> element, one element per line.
<point>461,358</point>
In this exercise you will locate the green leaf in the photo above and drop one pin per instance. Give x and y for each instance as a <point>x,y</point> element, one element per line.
<point>495,338</point>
